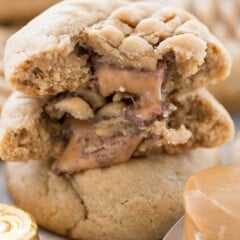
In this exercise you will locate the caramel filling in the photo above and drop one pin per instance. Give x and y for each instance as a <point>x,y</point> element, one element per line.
<point>212,204</point>
<point>91,146</point>
<point>87,149</point>
<point>112,79</point>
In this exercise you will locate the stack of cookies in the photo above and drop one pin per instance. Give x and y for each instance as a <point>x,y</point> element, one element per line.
<point>110,116</point>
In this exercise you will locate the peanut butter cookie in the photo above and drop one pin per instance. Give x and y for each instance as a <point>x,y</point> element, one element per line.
<point>124,83</point>
<point>70,129</point>
<point>137,200</point>
<point>138,39</point>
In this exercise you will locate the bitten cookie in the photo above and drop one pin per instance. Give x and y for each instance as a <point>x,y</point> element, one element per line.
<point>47,58</point>
<point>137,200</point>
<point>69,130</point>
<point>22,10</point>
<point>125,83</point>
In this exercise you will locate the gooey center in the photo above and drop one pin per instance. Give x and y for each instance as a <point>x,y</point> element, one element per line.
<point>91,146</point>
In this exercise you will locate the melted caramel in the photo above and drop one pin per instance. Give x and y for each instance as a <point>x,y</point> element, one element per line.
<point>112,79</point>
<point>86,150</point>
<point>212,204</point>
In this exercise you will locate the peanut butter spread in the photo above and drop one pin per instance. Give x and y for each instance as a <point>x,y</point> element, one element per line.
<point>212,204</point>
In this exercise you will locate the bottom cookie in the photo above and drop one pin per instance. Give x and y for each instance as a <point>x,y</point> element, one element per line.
<point>138,200</point>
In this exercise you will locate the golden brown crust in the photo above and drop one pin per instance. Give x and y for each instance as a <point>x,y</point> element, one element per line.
<point>140,199</point>
<point>119,35</point>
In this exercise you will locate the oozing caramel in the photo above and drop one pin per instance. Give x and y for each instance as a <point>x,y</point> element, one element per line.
<point>87,150</point>
<point>212,205</point>
<point>112,79</point>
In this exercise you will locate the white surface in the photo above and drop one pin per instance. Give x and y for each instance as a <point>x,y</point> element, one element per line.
<point>5,198</point>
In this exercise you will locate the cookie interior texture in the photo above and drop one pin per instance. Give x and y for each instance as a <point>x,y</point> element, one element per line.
<point>121,84</point>
<point>83,130</point>
<point>140,199</point>
<point>61,54</point>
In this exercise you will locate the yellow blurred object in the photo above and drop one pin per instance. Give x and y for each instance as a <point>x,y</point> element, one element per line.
<point>15,224</point>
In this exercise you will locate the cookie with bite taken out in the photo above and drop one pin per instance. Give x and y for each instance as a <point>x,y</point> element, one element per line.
<point>125,83</point>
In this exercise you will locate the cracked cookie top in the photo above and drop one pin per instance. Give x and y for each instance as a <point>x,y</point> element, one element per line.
<point>58,50</point>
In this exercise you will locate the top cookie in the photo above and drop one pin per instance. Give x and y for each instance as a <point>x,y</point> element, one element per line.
<point>22,10</point>
<point>62,48</point>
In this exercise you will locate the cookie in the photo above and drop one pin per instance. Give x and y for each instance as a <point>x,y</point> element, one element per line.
<point>63,128</point>
<point>144,37</point>
<point>140,199</point>
<point>22,10</point>
<point>124,83</point>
